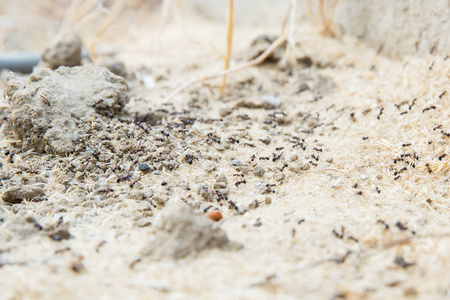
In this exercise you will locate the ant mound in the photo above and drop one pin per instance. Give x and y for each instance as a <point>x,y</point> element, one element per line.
<point>46,109</point>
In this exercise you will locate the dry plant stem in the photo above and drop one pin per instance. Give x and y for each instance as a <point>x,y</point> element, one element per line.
<point>230,26</point>
<point>184,27</point>
<point>117,8</point>
<point>288,55</point>
<point>260,59</point>
<point>114,14</point>
<point>327,9</point>
<point>69,17</point>
<point>320,11</point>
<point>165,12</point>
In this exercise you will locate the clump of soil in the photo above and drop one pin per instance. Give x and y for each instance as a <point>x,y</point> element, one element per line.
<point>185,232</point>
<point>23,192</point>
<point>45,110</point>
<point>63,51</point>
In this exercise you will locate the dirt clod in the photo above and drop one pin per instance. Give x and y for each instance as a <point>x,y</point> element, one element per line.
<point>46,108</point>
<point>184,233</point>
<point>60,235</point>
<point>64,51</point>
<point>24,192</point>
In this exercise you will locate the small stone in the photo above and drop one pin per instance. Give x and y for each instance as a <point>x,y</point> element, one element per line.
<point>410,292</point>
<point>257,223</point>
<point>254,204</point>
<point>210,166</point>
<point>303,87</point>
<point>143,222</point>
<point>259,171</point>
<point>329,160</point>
<point>60,235</point>
<point>223,112</point>
<point>115,66</point>
<point>214,215</point>
<point>220,185</point>
<point>280,177</point>
<point>149,81</point>
<point>160,200</point>
<point>268,200</point>
<point>296,168</point>
<point>272,101</point>
<point>293,157</point>
<point>144,167</point>
<point>223,179</point>
<point>235,162</point>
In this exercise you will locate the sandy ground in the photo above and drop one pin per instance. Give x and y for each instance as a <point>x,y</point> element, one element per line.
<point>341,192</point>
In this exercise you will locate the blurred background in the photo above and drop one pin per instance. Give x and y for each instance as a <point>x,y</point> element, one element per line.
<point>394,28</point>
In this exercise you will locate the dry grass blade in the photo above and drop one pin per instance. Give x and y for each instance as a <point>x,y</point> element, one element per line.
<point>260,59</point>
<point>117,8</point>
<point>288,55</point>
<point>326,10</point>
<point>230,26</point>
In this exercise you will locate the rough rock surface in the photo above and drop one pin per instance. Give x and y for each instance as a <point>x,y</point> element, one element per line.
<point>46,108</point>
<point>64,51</point>
<point>185,232</point>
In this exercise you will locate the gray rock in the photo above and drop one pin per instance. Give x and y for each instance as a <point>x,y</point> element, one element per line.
<point>144,167</point>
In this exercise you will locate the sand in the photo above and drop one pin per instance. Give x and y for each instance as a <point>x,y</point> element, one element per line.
<point>331,175</point>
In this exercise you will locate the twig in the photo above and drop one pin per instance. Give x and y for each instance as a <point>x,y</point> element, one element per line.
<point>290,40</point>
<point>260,59</point>
<point>230,25</point>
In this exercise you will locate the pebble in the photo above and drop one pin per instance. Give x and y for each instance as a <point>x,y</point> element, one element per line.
<point>143,167</point>
<point>236,162</point>
<point>149,81</point>
<point>259,171</point>
<point>60,235</point>
<point>214,215</point>
<point>210,166</point>
<point>293,157</point>
<point>272,100</point>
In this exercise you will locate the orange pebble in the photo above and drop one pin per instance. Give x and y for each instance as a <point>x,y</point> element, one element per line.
<point>214,215</point>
